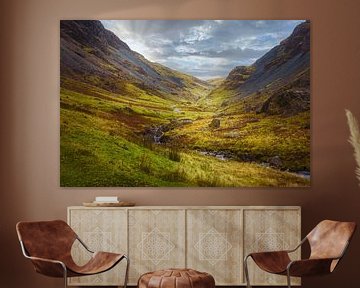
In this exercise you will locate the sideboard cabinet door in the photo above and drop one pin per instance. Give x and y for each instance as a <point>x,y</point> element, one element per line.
<point>156,240</point>
<point>214,243</point>
<point>270,230</point>
<point>101,230</point>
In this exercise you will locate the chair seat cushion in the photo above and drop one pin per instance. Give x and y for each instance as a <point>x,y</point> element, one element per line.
<point>176,278</point>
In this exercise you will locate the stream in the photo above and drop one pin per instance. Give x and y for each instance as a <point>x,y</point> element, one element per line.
<point>156,135</point>
<point>225,156</point>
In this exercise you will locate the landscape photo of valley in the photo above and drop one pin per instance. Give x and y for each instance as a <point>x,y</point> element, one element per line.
<point>185,103</point>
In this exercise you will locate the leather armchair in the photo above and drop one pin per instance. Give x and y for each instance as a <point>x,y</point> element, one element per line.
<point>48,245</point>
<point>328,242</point>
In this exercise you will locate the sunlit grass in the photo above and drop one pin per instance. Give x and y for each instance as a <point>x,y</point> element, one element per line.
<point>102,145</point>
<point>92,157</point>
<point>256,135</point>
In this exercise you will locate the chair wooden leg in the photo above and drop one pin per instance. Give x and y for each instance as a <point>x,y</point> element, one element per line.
<point>246,271</point>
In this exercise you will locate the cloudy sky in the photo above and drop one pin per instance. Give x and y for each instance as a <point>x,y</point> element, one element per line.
<point>203,48</point>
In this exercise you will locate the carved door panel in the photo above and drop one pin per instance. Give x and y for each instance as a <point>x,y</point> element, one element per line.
<point>156,240</point>
<point>101,230</point>
<point>269,230</point>
<point>214,244</point>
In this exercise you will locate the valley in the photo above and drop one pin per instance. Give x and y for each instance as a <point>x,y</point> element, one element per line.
<point>160,127</point>
<point>106,142</point>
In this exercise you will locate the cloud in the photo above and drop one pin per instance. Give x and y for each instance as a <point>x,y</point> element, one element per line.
<point>203,48</point>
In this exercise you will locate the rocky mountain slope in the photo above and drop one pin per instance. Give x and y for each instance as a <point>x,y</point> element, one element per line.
<point>277,83</point>
<point>94,55</point>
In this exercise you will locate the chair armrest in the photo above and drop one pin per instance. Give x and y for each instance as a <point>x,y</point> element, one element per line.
<point>45,260</point>
<point>269,252</point>
<point>298,246</point>
<point>48,267</point>
<point>309,267</point>
<point>83,244</point>
<point>280,251</point>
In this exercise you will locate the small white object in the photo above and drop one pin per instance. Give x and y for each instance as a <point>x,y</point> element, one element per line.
<point>107,199</point>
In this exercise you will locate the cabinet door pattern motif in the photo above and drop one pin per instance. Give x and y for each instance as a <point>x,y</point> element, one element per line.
<point>210,239</point>
<point>155,246</point>
<point>213,246</point>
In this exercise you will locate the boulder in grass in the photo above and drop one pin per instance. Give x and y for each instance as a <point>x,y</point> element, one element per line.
<point>215,123</point>
<point>275,162</point>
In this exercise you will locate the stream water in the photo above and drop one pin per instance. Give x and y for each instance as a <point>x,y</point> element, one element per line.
<point>157,133</point>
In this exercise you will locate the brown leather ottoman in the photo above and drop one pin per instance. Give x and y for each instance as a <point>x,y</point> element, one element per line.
<point>176,278</point>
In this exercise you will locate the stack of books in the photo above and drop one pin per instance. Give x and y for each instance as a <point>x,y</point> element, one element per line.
<point>106,199</point>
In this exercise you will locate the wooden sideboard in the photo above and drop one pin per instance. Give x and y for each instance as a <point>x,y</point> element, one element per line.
<point>212,239</point>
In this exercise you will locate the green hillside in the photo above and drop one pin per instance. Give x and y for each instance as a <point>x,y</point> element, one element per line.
<point>103,143</point>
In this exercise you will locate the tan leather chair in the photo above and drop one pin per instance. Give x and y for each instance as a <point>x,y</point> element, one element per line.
<point>48,245</point>
<point>328,242</point>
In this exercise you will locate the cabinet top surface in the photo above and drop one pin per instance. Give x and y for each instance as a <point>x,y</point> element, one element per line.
<point>192,207</point>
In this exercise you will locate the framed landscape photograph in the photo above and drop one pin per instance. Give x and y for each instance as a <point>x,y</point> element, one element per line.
<point>185,103</point>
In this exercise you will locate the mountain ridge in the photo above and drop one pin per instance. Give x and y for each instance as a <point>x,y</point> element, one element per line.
<point>95,55</point>
<point>282,68</point>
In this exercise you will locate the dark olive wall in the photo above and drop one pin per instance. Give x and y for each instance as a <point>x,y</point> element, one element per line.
<point>29,119</point>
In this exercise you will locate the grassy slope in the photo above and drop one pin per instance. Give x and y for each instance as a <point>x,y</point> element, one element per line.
<point>101,143</point>
<point>254,137</point>
<point>245,132</point>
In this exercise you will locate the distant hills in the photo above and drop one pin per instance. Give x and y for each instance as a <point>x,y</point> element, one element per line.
<point>277,83</point>
<point>94,55</point>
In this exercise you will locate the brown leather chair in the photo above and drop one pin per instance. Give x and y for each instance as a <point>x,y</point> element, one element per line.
<point>48,245</point>
<point>328,242</point>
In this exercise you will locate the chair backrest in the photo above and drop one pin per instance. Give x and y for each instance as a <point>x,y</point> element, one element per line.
<point>329,239</point>
<point>46,239</point>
